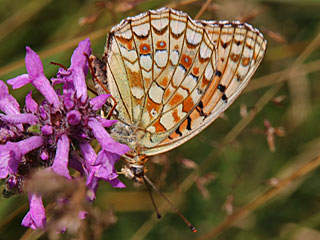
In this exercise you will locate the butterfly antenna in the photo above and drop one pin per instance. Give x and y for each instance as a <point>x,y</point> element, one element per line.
<point>60,65</point>
<point>147,180</point>
<point>152,199</point>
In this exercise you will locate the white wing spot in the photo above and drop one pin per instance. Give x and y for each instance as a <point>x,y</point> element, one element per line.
<point>146,62</point>
<point>193,37</point>
<point>209,71</point>
<point>142,29</point>
<point>205,51</point>
<point>133,67</point>
<point>156,93</point>
<point>160,24</point>
<point>151,129</point>
<point>177,27</point>
<point>137,92</point>
<point>161,58</point>
<point>174,57</point>
<point>126,34</point>
<point>178,76</point>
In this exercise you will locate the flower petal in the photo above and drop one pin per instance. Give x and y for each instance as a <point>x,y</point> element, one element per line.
<point>80,85</point>
<point>8,104</point>
<point>29,144</point>
<point>92,184</point>
<point>5,158</point>
<point>104,168</point>
<point>38,79</point>
<point>88,153</point>
<point>19,81</point>
<point>106,122</point>
<point>36,217</point>
<point>97,102</point>
<point>105,139</point>
<point>116,183</point>
<point>33,64</point>
<point>78,59</point>
<point>12,152</point>
<point>60,164</point>
<point>21,118</point>
<point>31,105</point>
<point>47,130</point>
<point>74,117</point>
<point>79,68</point>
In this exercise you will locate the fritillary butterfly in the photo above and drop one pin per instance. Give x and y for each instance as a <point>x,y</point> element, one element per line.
<point>171,77</point>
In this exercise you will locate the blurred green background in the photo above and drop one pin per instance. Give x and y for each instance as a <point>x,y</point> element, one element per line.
<point>228,180</point>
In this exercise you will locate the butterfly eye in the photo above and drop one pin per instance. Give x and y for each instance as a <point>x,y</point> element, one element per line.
<point>137,170</point>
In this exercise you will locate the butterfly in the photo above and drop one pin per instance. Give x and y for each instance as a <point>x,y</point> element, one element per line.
<point>170,77</point>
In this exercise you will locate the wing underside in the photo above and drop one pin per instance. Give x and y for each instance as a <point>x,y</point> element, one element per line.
<point>173,76</point>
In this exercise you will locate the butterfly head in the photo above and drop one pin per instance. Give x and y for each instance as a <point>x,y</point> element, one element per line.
<point>134,172</point>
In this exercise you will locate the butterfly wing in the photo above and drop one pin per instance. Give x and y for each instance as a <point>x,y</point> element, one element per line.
<point>172,76</point>
<point>240,49</point>
<point>158,66</point>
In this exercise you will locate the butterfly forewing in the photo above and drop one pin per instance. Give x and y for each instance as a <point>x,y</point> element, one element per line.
<point>172,76</point>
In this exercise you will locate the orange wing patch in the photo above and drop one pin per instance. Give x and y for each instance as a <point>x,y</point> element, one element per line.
<point>164,82</point>
<point>161,45</point>
<point>152,108</point>
<point>124,41</point>
<point>145,48</point>
<point>159,127</point>
<point>186,61</point>
<point>135,79</point>
<point>195,70</point>
<point>177,98</point>
<point>245,61</point>
<point>175,116</point>
<point>235,57</point>
<point>188,104</point>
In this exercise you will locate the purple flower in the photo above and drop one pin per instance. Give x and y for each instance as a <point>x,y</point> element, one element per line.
<point>36,217</point>
<point>12,152</point>
<point>103,137</point>
<point>23,118</point>
<point>8,104</point>
<point>57,132</point>
<point>82,215</point>
<point>36,77</point>
<point>60,164</point>
<point>97,102</point>
<point>31,105</point>
<point>79,69</point>
<point>74,117</point>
